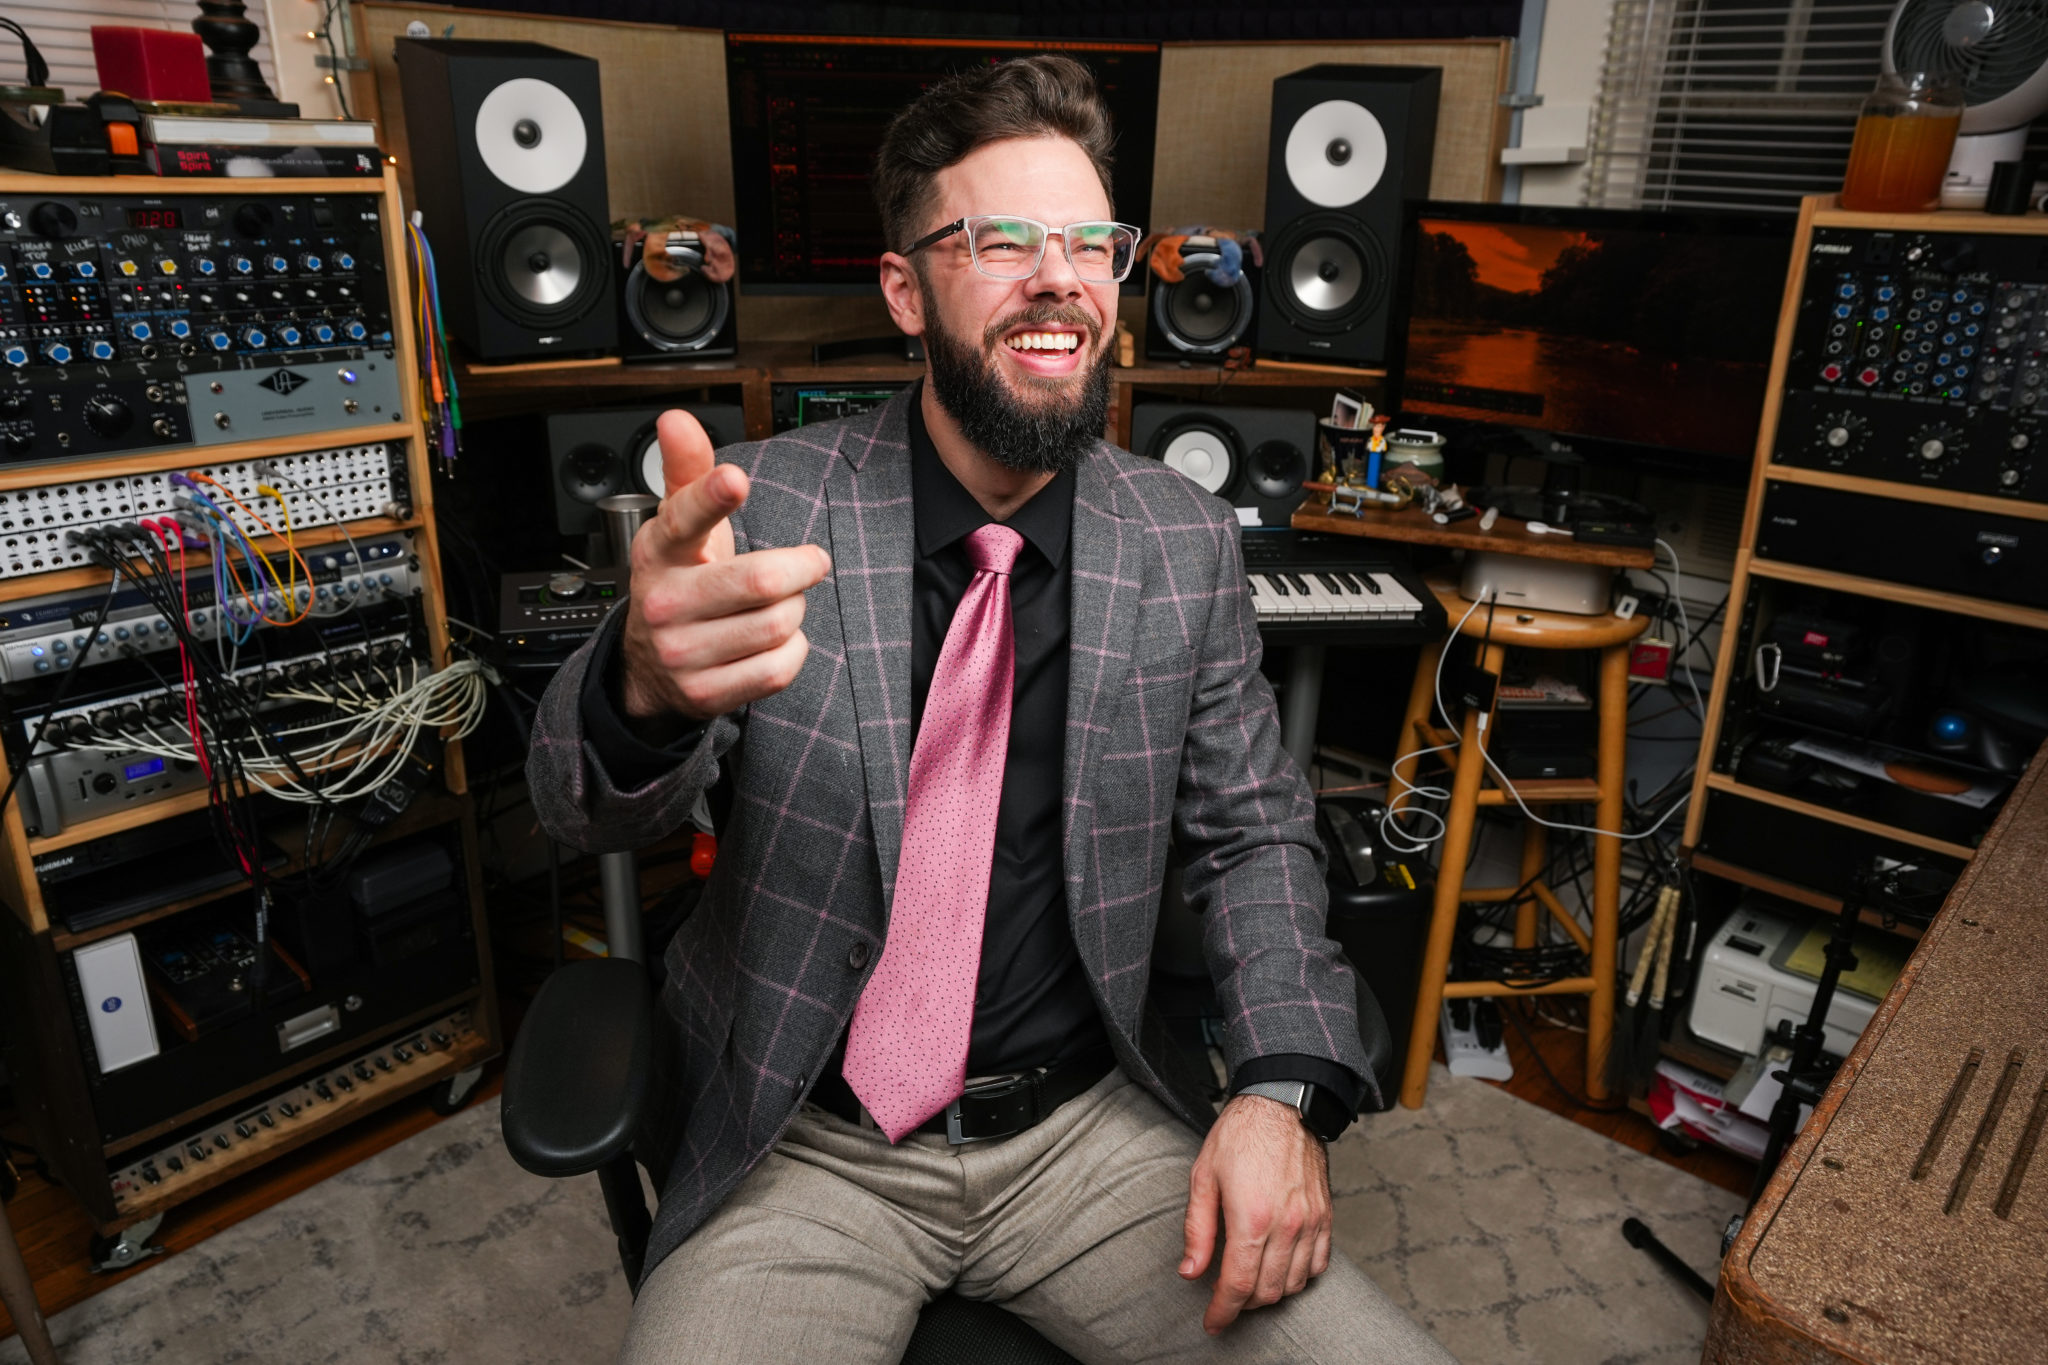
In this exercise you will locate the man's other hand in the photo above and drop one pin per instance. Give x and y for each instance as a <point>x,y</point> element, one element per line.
<point>709,630</point>
<point>1269,1178</point>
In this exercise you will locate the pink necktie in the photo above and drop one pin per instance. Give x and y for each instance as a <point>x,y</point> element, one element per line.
<point>906,1052</point>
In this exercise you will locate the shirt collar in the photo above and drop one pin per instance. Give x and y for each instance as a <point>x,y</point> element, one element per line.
<point>945,511</point>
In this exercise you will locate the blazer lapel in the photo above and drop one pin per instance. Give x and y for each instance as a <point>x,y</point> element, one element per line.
<point>1108,559</point>
<point>873,547</point>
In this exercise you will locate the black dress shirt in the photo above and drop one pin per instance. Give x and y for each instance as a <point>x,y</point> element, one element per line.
<point>1032,1005</point>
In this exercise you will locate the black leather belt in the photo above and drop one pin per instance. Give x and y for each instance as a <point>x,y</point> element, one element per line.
<point>996,1107</point>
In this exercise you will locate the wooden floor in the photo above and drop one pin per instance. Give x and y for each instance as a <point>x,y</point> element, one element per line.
<point>54,1232</point>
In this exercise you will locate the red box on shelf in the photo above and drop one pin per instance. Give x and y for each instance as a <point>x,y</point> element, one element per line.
<point>151,63</point>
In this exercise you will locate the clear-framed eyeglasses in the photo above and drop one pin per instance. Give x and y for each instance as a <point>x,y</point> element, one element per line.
<point>1007,247</point>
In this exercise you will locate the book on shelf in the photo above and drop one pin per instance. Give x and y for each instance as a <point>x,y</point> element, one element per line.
<point>263,162</point>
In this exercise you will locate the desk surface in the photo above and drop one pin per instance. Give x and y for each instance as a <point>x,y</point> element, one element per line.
<point>1412,524</point>
<point>1848,1257</point>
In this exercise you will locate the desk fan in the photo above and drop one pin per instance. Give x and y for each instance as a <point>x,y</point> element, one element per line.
<point>1999,50</point>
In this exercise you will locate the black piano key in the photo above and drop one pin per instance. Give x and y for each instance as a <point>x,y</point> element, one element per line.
<point>1299,586</point>
<point>1330,583</point>
<point>1365,583</point>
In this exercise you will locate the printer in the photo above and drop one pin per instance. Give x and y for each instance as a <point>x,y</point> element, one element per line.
<point>1746,987</point>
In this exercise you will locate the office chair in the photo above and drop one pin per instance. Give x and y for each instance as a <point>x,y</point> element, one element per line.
<point>578,1083</point>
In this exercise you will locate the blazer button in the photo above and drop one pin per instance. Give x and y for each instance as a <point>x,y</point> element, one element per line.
<point>800,1085</point>
<point>857,957</point>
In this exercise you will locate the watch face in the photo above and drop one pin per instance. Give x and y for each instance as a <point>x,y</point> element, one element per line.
<point>1325,1114</point>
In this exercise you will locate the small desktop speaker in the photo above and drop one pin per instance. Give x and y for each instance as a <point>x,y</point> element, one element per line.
<point>685,319</point>
<point>1255,458</point>
<point>507,148</point>
<point>1351,145</point>
<point>597,452</point>
<point>1198,319</point>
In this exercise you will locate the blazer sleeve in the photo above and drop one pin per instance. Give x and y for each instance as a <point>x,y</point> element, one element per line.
<point>1244,820</point>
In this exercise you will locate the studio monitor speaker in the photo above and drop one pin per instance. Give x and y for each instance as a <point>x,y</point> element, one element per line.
<point>683,319</point>
<point>1255,458</point>
<point>1198,319</point>
<point>507,148</point>
<point>1350,146</point>
<point>596,452</point>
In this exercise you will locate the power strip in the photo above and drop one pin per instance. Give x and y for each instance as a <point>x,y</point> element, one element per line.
<point>322,487</point>
<point>269,1124</point>
<point>1467,1055</point>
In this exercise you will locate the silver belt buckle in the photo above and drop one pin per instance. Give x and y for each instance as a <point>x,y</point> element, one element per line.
<point>984,1085</point>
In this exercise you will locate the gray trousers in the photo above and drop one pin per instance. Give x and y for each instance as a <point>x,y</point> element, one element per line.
<point>828,1249</point>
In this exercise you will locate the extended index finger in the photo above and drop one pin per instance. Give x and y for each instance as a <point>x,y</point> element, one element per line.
<point>699,497</point>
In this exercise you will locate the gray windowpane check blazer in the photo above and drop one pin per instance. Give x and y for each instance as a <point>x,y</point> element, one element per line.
<point>1171,735</point>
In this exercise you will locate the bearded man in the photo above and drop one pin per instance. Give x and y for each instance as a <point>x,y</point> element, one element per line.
<point>975,676</point>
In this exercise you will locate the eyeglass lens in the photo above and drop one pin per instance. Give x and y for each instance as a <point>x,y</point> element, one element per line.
<point>1011,248</point>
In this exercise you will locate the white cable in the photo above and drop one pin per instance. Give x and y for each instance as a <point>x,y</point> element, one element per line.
<point>1407,841</point>
<point>1684,628</point>
<point>1439,794</point>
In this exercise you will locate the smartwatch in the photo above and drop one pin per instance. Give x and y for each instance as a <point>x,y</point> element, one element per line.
<point>1321,1111</point>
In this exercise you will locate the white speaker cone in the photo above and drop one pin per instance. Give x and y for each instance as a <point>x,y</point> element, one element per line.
<point>531,135</point>
<point>1203,456</point>
<point>1336,153</point>
<point>649,465</point>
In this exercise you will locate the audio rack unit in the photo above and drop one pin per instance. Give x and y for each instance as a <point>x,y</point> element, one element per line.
<point>1920,357</point>
<point>231,363</point>
<point>150,321</point>
<point>321,487</point>
<point>43,635</point>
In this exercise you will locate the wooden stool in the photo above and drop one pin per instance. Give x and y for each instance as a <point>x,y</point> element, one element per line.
<point>1472,786</point>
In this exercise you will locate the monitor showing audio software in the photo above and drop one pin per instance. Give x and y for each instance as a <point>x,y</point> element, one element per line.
<point>1646,330</point>
<point>808,112</point>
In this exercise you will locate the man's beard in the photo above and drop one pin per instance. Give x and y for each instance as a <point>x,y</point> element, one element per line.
<point>1044,436</point>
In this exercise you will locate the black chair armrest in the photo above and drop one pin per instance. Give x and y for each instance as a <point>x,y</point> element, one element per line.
<point>1378,1040</point>
<point>578,1077</point>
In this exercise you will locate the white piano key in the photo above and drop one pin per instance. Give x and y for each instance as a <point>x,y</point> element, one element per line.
<point>1400,597</point>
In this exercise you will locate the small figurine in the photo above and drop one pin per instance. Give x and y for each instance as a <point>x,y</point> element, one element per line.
<point>1375,449</point>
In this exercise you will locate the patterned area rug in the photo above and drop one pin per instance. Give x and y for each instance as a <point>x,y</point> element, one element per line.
<point>1495,1224</point>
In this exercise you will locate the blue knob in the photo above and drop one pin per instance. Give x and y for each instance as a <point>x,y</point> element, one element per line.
<point>277,265</point>
<point>254,339</point>
<point>103,350</point>
<point>344,261</point>
<point>289,336</point>
<point>41,270</point>
<point>220,341</point>
<point>204,265</point>
<point>16,356</point>
<point>181,329</point>
<point>57,353</point>
<point>241,265</point>
<point>356,331</point>
<point>140,331</point>
<point>86,269</point>
<point>323,334</point>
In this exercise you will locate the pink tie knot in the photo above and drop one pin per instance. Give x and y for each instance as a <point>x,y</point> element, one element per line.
<point>994,549</point>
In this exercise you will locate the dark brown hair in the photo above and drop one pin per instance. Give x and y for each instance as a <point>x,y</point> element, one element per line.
<point>1041,96</point>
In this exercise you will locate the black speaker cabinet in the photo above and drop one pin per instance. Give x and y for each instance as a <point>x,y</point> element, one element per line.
<point>1351,145</point>
<point>1253,458</point>
<point>507,145</point>
<point>685,319</point>
<point>1199,319</point>
<point>597,452</point>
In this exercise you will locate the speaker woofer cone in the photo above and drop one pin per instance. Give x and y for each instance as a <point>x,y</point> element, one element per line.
<point>1278,469</point>
<point>686,315</point>
<point>1198,316</point>
<point>542,262</point>
<point>1326,271</point>
<point>1202,449</point>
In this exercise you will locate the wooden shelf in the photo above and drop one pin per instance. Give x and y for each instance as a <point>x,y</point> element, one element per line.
<point>91,576</point>
<point>157,187</point>
<point>2033,618</point>
<point>1908,492</point>
<point>1798,895</point>
<point>1413,525</point>
<point>193,457</point>
<point>1721,782</point>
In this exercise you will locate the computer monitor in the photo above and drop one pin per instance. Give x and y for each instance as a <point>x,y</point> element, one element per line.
<point>808,112</point>
<point>1620,332</point>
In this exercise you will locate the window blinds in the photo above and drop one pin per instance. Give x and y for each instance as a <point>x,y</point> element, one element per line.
<point>1742,104</point>
<point>62,29</point>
